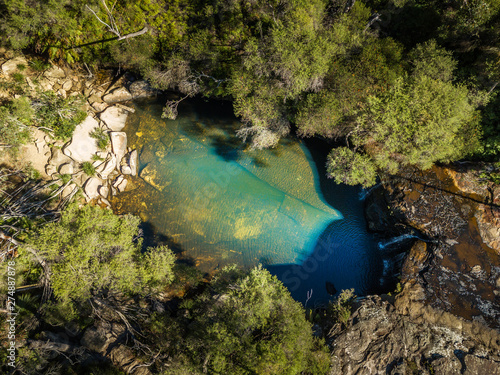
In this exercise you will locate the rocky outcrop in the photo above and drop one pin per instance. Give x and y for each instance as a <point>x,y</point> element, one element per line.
<point>456,270</point>
<point>416,261</point>
<point>382,340</point>
<point>120,94</point>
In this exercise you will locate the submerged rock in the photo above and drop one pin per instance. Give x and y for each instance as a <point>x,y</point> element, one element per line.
<point>153,177</point>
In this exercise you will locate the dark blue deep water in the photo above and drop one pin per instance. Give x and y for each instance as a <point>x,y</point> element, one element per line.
<point>220,203</point>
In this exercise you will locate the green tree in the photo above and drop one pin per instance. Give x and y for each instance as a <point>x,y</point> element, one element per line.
<point>418,122</point>
<point>92,252</point>
<point>348,167</point>
<point>249,324</point>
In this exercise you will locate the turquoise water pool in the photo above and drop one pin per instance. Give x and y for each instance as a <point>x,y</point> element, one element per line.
<point>220,203</point>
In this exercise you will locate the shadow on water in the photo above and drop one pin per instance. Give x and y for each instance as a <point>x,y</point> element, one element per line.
<point>345,254</point>
<point>153,238</point>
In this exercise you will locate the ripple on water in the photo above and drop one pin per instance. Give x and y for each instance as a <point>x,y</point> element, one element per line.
<point>219,203</point>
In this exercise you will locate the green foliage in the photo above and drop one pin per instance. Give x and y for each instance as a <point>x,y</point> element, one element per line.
<point>419,122</point>
<point>92,252</point>
<point>101,138</point>
<point>59,114</point>
<point>39,65</point>
<point>88,168</point>
<point>427,59</point>
<point>347,167</point>
<point>492,174</point>
<point>249,324</point>
<point>341,309</point>
<point>15,118</point>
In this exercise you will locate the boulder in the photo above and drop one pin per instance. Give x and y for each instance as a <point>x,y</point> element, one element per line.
<point>133,162</point>
<point>61,93</point>
<point>120,94</point>
<point>58,157</point>
<point>141,89</point>
<point>54,73</point>
<point>120,183</point>
<point>118,144</point>
<point>68,190</point>
<point>105,169</point>
<point>82,145</point>
<point>45,84</point>
<point>67,85</point>
<point>91,188</point>
<point>104,191</point>
<point>125,108</point>
<point>488,223</point>
<point>125,169</point>
<point>10,66</point>
<point>66,168</point>
<point>50,169</point>
<point>95,339</point>
<point>98,106</point>
<point>115,118</point>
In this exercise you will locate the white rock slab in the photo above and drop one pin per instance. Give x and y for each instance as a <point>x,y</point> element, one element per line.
<point>82,145</point>
<point>125,169</point>
<point>118,144</point>
<point>104,191</point>
<point>115,118</point>
<point>10,66</point>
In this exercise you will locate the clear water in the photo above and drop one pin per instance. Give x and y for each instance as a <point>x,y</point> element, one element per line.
<point>219,203</point>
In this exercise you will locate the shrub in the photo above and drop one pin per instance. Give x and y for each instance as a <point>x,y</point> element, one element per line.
<point>88,168</point>
<point>101,137</point>
<point>59,114</point>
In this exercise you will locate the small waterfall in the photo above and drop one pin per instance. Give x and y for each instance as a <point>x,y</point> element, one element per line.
<point>396,240</point>
<point>366,192</point>
<point>387,267</point>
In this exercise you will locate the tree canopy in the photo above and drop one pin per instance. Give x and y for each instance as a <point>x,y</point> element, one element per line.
<point>92,252</point>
